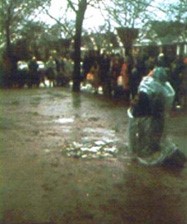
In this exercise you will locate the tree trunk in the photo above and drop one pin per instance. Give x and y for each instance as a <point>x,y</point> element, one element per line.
<point>77,45</point>
<point>7,33</point>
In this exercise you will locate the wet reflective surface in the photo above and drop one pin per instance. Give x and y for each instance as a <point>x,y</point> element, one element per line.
<point>65,120</point>
<point>64,159</point>
<point>95,142</point>
<point>97,149</point>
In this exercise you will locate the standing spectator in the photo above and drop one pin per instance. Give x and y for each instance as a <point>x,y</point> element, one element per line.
<point>104,64</point>
<point>126,74</point>
<point>68,68</point>
<point>115,70</point>
<point>88,62</point>
<point>51,71</point>
<point>176,79</point>
<point>140,65</point>
<point>60,71</point>
<point>149,64</point>
<point>94,71</point>
<point>134,80</point>
<point>33,72</point>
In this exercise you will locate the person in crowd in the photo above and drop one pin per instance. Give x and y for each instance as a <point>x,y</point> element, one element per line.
<point>68,69</point>
<point>147,114</point>
<point>134,79</point>
<point>88,62</point>
<point>104,73</point>
<point>149,64</point>
<point>33,72</point>
<point>140,65</point>
<point>176,79</point>
<point>94,79</point>
<point>115,72</point>
<point>60,70</point>
<point>125,74</point>
<point>42,72</point>
<point>51,71</point>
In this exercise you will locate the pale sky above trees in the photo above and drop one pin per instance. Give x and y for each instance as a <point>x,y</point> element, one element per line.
<point>96,17</point>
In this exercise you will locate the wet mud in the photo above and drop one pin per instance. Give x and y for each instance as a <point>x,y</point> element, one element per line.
<point>64,159</point>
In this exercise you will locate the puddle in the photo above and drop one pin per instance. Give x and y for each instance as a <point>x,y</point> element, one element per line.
<point>102,131</point>
<point>94,143</point>
<point>93,150</point>
<point>65,120</point>
<point>100,136</point>
<point>67,129</point>
<point>90,89</point>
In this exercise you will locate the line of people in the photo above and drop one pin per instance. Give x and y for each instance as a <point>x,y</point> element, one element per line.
<point>58,72</point>
<point>120,76</point>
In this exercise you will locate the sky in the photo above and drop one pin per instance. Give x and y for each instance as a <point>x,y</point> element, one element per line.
<point>93,17</point>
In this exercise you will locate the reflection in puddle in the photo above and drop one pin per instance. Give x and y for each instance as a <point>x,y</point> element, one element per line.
<point>67,129</point>
<point>90,89</point>
<point>94,143</point>
<point>93,150</point>
<point>102,131</point>
<point>65,120</point>
<point>100,136</point>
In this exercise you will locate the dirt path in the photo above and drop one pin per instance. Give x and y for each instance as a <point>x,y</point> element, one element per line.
<point>48,175</point>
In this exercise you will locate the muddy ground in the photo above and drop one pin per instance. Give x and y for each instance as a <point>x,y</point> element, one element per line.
<point>64,160</point>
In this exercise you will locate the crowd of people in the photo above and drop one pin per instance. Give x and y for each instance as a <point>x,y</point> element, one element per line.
<point>117,76</point>
<point>120,76</point>
<point>57,71</point>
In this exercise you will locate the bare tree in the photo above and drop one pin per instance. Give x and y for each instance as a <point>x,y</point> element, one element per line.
<point>74,28</point>
<point>127,13</point>
<point>177,11</point>
<point>79,8</point>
